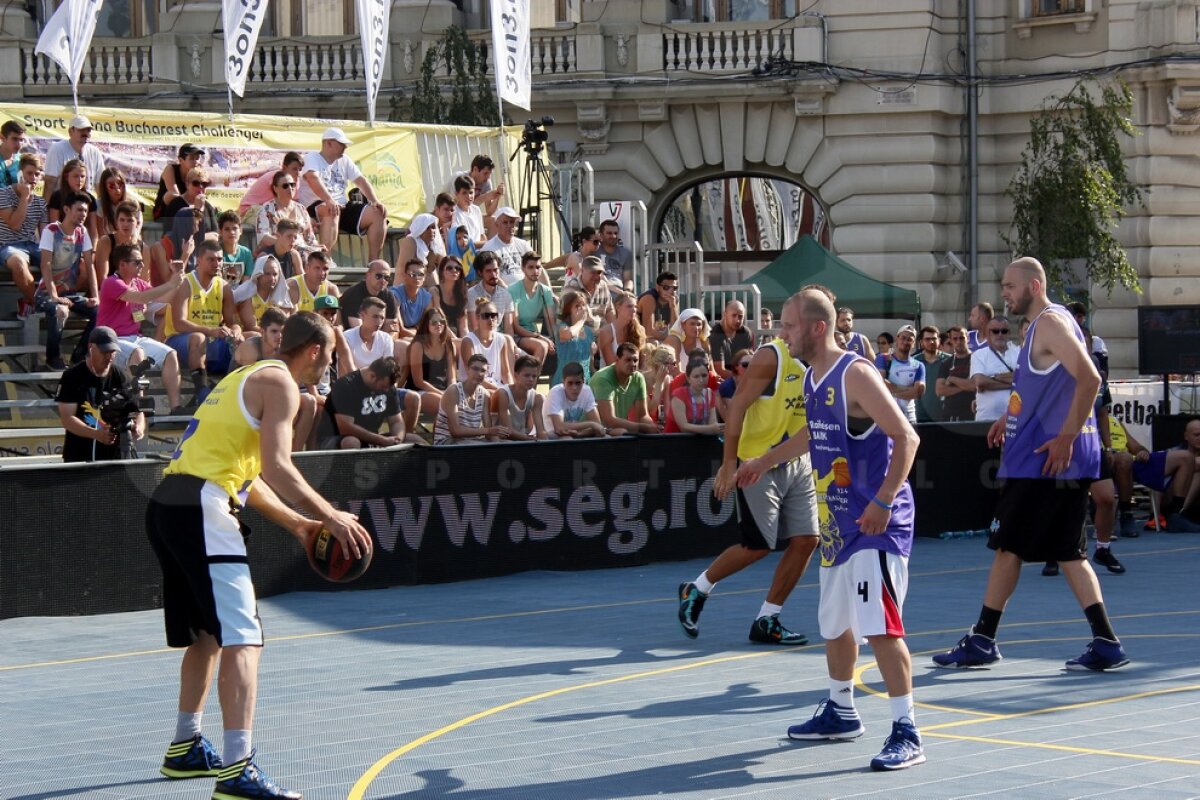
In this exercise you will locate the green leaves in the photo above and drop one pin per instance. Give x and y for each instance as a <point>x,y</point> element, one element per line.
<point>1072,188</point>
<point>471,99</point>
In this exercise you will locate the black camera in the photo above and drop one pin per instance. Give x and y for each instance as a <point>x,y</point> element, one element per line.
<point>118,407</point>
<point>534,135</point>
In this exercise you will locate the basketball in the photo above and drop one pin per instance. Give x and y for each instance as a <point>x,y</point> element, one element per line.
<point>326,558</point>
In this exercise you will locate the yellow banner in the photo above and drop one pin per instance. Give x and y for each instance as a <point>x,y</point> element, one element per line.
<point>142,142</point>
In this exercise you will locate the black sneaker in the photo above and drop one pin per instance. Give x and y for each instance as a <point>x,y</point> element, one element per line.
<point>691,603</point>
<point>1105,558</point>
<point>1128,526</point>
<point>243,780</point>
<point>769,630</point>
<point>1051,569</point>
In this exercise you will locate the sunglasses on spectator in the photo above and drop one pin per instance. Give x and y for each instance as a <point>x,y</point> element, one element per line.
<point>416,274</point>
<point>594,241</point>
<point>437,322</point>
<point>287,185</point>
<point>668,287</point>
<point>744,365</point>
<point>382,276</point>
<point>490,315</point>
<point>202,184</point>
<point>997,330</point>
<point>452,268</point>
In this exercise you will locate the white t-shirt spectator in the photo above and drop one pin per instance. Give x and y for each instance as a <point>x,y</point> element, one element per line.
<point>61,152</point>
<point>336,177</point>
<point>509,256</point>
<point>472,218</point>
<point>558,405</point>
<point>382,346</point>
<point>991,405</point>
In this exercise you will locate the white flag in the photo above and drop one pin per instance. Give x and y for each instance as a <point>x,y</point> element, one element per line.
<point>68,35</point>
<point>243,20</point>
<point>510,50</point>
<point>373,16</point>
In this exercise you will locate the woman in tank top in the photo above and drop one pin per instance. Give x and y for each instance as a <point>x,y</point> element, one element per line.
<point>463,416</point>
<point>575,336</point>
<point>450,295</point>
<point>486,340</point>
<point>625,328</point>
<point>519,406</point>
<point>431,361</point>
<point>659,367</point>
<point>693,407</point>
<point>113,192</point>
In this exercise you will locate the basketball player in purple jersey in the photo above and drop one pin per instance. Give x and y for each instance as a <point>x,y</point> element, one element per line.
<point>862,448</point>
<point>1051,456</point>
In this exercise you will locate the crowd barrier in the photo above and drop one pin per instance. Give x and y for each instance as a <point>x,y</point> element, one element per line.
<point>74,538</point>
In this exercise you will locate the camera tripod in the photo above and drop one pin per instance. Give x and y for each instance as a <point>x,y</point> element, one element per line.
<point>535,189</point>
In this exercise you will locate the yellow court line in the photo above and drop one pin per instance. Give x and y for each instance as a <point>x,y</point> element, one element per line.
<point>360,786</point>
<point>1087,751</point>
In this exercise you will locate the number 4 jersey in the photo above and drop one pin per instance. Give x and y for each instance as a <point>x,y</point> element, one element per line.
<point>850,457</point>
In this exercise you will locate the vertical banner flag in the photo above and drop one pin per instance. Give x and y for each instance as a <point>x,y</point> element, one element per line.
<point>68,36</point>
<point>373,16</point>
<point>242,20</point>
<point>510,50</point>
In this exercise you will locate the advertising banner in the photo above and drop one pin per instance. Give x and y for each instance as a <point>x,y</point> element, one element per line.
<point>67,37</point>
<point>243,20</point>
<point>510,51</point>
<point>1137,403</point>
<point>373,16</point>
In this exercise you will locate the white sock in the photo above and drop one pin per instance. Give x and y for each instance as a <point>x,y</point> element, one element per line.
<point>1102,545</point>
<point>704,584</point>
<point>769,610</point>
<point>237,747</point>
<point>842,692</point>
<point>902,708</point>
<point>187,726</point>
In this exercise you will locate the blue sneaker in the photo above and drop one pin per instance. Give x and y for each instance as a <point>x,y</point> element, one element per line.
<point>830,721</point>
<point>769,630</point>
<point>1101,655</point>
<point>245,781</point>
<point>691,603</point>
<point>901,750</point>
<point>191,758</point>
<point>973,650</point>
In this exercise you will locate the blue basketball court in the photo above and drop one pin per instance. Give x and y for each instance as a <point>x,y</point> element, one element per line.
<point>581,685</point>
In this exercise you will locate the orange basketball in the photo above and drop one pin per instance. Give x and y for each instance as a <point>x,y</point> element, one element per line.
<point>326,558</point>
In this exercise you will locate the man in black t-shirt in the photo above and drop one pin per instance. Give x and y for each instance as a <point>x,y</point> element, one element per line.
<point>359,404</point>
<point>377,284</point>
<point>81,391</point>
<point>729,336</point>
<point>954,384</point>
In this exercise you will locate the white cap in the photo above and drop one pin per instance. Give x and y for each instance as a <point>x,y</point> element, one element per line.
<point>337,135</point>
<point>506,211</point>
<point>80,121</point>
<point>421,223</point>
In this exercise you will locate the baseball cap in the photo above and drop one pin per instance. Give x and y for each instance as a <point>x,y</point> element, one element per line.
<point>337,135</point>
<point>593,263</point>
<point>324,301</point>
<point>421,223</point>
<point>507,211</point>
<point>907,329</point>
<point>105,338</point>
<point>190,149</point>
<point>80,121</point>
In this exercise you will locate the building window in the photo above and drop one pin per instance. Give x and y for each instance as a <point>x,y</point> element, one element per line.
<point>314,18</point>
<point>1049,8</point>
<point>121,19</point>
<point>736,10</point>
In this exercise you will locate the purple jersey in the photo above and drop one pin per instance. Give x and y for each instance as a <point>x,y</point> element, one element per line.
<point>857,343</point>
<point>1037,407</point>
<point>975,341</point>
<point>848,468</point>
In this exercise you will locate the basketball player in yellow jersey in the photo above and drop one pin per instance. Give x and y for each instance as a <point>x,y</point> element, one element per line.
<point>777,512</point>
<point>305,289</point>
<point>201,323</point>
<point>237,449</point>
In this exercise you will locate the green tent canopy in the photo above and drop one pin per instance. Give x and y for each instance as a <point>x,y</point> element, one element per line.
<point>808,262</point>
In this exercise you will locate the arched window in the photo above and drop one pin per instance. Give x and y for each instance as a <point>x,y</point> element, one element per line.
<point>744,214</point>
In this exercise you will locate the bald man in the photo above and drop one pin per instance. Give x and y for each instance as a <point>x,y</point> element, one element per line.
<point>730,336</point>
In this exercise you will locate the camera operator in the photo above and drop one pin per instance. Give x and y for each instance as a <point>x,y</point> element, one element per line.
<point>96,398</point>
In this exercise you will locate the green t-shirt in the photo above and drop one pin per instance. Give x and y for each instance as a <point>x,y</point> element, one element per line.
<point>530,311</point>
<point>605,387</point>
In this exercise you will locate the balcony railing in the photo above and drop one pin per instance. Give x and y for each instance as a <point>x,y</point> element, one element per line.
<point>723,47</point>
<point>305,61</point>
<point>549,53</point>
<point>107,64</point>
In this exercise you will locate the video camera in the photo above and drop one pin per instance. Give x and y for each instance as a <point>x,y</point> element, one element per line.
<point>118,407</point>
<point>534,135</point>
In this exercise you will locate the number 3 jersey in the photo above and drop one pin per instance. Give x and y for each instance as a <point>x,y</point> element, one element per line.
<point>850,457</point>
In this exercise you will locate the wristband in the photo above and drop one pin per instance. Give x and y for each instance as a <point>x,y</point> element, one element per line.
<point>881,504</point>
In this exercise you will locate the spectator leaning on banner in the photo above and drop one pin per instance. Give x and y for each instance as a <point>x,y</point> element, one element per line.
<point>324,181</point>
<point>173,181</point>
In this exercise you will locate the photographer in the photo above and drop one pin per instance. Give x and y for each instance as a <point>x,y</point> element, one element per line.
<point>95,400</point>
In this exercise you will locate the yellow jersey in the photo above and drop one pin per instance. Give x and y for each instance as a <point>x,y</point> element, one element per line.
<point>258,305</point>
<point>221,443</point>
<point>308,300</point>
<point>205,307</point>
<point>778,416</point>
